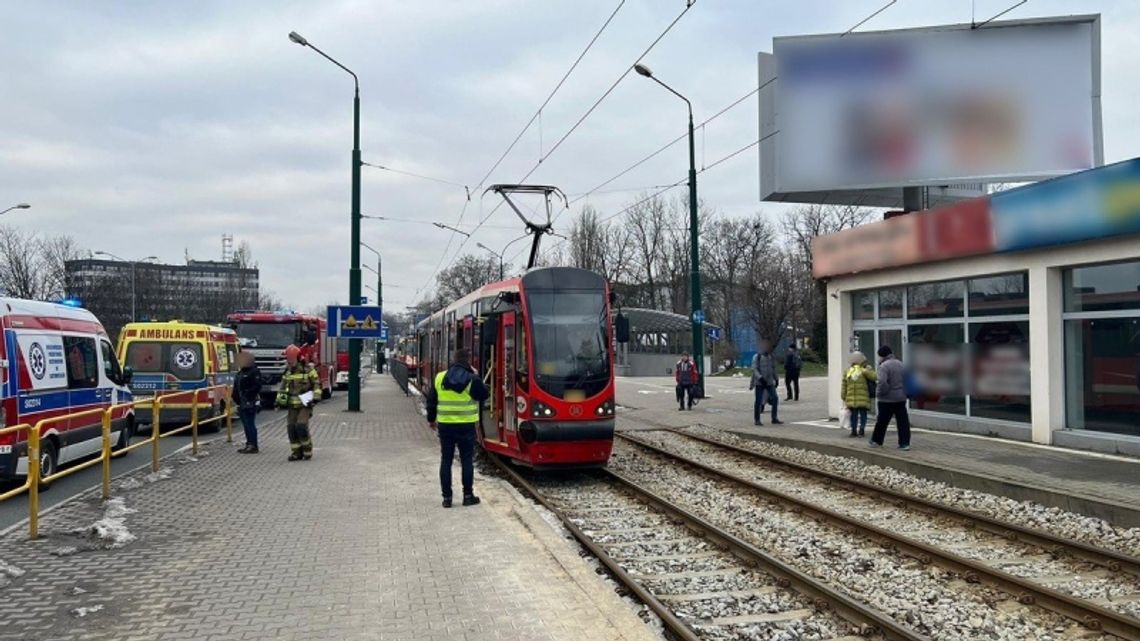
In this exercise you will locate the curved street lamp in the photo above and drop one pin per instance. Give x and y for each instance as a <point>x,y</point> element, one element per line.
<point>694,247</point>
<point>134,264</point>
<point>18,206</point>
<point>354,267</point>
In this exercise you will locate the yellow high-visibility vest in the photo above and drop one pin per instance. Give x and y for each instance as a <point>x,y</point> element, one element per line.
<point>454,407</point>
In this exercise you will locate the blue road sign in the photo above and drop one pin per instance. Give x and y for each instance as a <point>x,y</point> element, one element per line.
<point>363,300</point>
<point>354,321</point>
<point>714,333</point>
<point>699,316</point>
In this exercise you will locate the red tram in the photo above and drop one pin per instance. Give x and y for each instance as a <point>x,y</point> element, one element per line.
<point>542,342</point>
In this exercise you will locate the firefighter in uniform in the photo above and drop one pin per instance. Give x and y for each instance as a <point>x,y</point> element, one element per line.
<point>297,380</point>
<point>453,410</point>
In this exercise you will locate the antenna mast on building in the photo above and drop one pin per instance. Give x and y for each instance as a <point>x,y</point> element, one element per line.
<point>227,248</point>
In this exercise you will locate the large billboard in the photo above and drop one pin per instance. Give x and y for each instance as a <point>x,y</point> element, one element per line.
<point>858,117</point>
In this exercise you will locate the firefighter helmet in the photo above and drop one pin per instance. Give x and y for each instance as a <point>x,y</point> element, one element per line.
<point>292,352</point>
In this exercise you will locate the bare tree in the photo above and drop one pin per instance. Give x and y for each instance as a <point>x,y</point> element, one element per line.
<point>597,246</point>
<point>646,225</point>
<point>770,301</point>
<point>800,227</point>
<point>732,246</point>
<point>468,273</point>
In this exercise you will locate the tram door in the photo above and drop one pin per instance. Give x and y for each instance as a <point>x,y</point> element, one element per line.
<point>506,356</point>
<point>488,366</point>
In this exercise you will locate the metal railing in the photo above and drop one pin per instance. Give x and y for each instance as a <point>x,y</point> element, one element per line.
<point>217,396</point>
<point>399,371</point>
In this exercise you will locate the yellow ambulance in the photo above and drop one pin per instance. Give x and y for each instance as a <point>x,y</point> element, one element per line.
<point>172,356</point>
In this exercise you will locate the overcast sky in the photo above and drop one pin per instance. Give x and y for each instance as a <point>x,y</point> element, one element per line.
<point>155,127</point>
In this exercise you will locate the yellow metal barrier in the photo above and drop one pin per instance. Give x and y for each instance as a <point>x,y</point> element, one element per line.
<point>33,479</point>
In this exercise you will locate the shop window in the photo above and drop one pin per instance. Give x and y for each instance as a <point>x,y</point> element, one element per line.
<point>891,303</point>
<point>1102,371</point>
<point>1103,287</point>
<point>999,370</point>
<point>937,355</point>
<point>999,295</point>
<point>863,305</point>
<point>936,300</point>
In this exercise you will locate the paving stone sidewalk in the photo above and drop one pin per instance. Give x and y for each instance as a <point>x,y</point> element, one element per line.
<point>350,545</point>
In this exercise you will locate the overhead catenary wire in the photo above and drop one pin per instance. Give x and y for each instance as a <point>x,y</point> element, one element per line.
<point>668,187</point>
<point>526,127</point>
<point>421,176</point>
<point>688,5</point>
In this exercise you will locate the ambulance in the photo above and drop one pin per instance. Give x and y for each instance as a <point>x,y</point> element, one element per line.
<point>172,356</point>
<point>57,360</point>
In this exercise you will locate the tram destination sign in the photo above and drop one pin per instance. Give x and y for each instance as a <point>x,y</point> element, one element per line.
<point>355,321</point>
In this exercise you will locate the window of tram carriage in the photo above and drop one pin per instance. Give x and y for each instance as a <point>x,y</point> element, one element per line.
<point>569,342</point>
<point>521,366</point>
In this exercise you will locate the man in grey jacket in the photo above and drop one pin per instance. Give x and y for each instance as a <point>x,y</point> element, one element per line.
<point>891,391</point>
<point>763,384</point>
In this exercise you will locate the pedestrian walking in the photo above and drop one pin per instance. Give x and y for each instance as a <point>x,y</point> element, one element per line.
<point>300,390</point>
<point>764,384</point>
<point>246,394</point>
<point>381,360</point>
<point>792,365</point>
<point>685,372</point>
<point>855,390</point>
<point>453,410</point>
<point>892,395</point>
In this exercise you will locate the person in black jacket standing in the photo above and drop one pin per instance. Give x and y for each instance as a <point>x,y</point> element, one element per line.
<point>685,373</point>
<point>792,365</point>
<point>452,405</point>
<point>247,396</point>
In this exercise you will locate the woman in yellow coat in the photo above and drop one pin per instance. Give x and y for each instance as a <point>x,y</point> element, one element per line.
<point>856,393</point>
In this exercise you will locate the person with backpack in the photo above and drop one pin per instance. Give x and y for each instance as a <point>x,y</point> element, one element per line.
<point>856,391</point>
<point>792,365</point>
<point>892,393</point>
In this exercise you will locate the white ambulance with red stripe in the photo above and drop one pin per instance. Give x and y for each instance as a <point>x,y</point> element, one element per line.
<point>57,360</point>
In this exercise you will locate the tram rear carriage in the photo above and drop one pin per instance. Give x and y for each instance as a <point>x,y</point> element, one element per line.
<point>542,342</point>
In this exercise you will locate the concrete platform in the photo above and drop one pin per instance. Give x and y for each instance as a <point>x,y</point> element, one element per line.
<point>351,545</point>
<point>1099,485</point>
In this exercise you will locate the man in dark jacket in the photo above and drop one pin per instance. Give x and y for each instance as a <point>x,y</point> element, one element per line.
<point>247,396</point>
<point>792,365</point>
<point>891,390</point>
<point>685,372</point>
<point>453,409</point>
<point>765,383</point>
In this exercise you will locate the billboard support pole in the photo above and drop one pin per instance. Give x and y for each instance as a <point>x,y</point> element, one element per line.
<point>912,199</point>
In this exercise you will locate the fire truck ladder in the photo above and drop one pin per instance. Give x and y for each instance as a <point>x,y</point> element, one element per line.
<point>539,230</point>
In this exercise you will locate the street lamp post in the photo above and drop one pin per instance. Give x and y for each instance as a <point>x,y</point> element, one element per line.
<point>134,267</point>
<point>694,247</point>
<point>493,253</point>
<point>379,274</point>
<point>17,206</point>
<point>354,268</point>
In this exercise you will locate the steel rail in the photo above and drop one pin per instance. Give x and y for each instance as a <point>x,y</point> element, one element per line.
<point>869,620</point>
<point>1092,616</point>
<point>670,620</point>
<point>1110,559</point>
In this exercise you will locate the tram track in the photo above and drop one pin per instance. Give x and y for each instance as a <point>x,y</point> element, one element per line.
<point>1028,565</point>
<point>702,581</point>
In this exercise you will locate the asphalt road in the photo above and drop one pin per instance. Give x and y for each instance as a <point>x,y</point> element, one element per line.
<point>15,509</point>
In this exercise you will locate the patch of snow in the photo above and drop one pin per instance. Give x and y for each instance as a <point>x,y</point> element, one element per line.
<point>112,528</point>
<point>84,611</point>
<point>7,569</point>
<point>76,591</point>
<point>66,550</point>
<point>130,484</point>
<point>162,474</point>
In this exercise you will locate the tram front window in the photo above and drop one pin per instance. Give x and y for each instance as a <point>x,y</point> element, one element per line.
<point>569,334</point>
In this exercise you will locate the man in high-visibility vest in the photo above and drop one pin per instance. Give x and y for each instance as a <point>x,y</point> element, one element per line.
<point>300,390</point>
<point>453,410</point>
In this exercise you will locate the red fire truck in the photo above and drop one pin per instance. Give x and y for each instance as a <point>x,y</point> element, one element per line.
<point>267,334</point>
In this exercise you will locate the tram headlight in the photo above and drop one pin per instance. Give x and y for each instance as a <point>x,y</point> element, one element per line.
<point>606,408</point>
<point>542,410</point>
